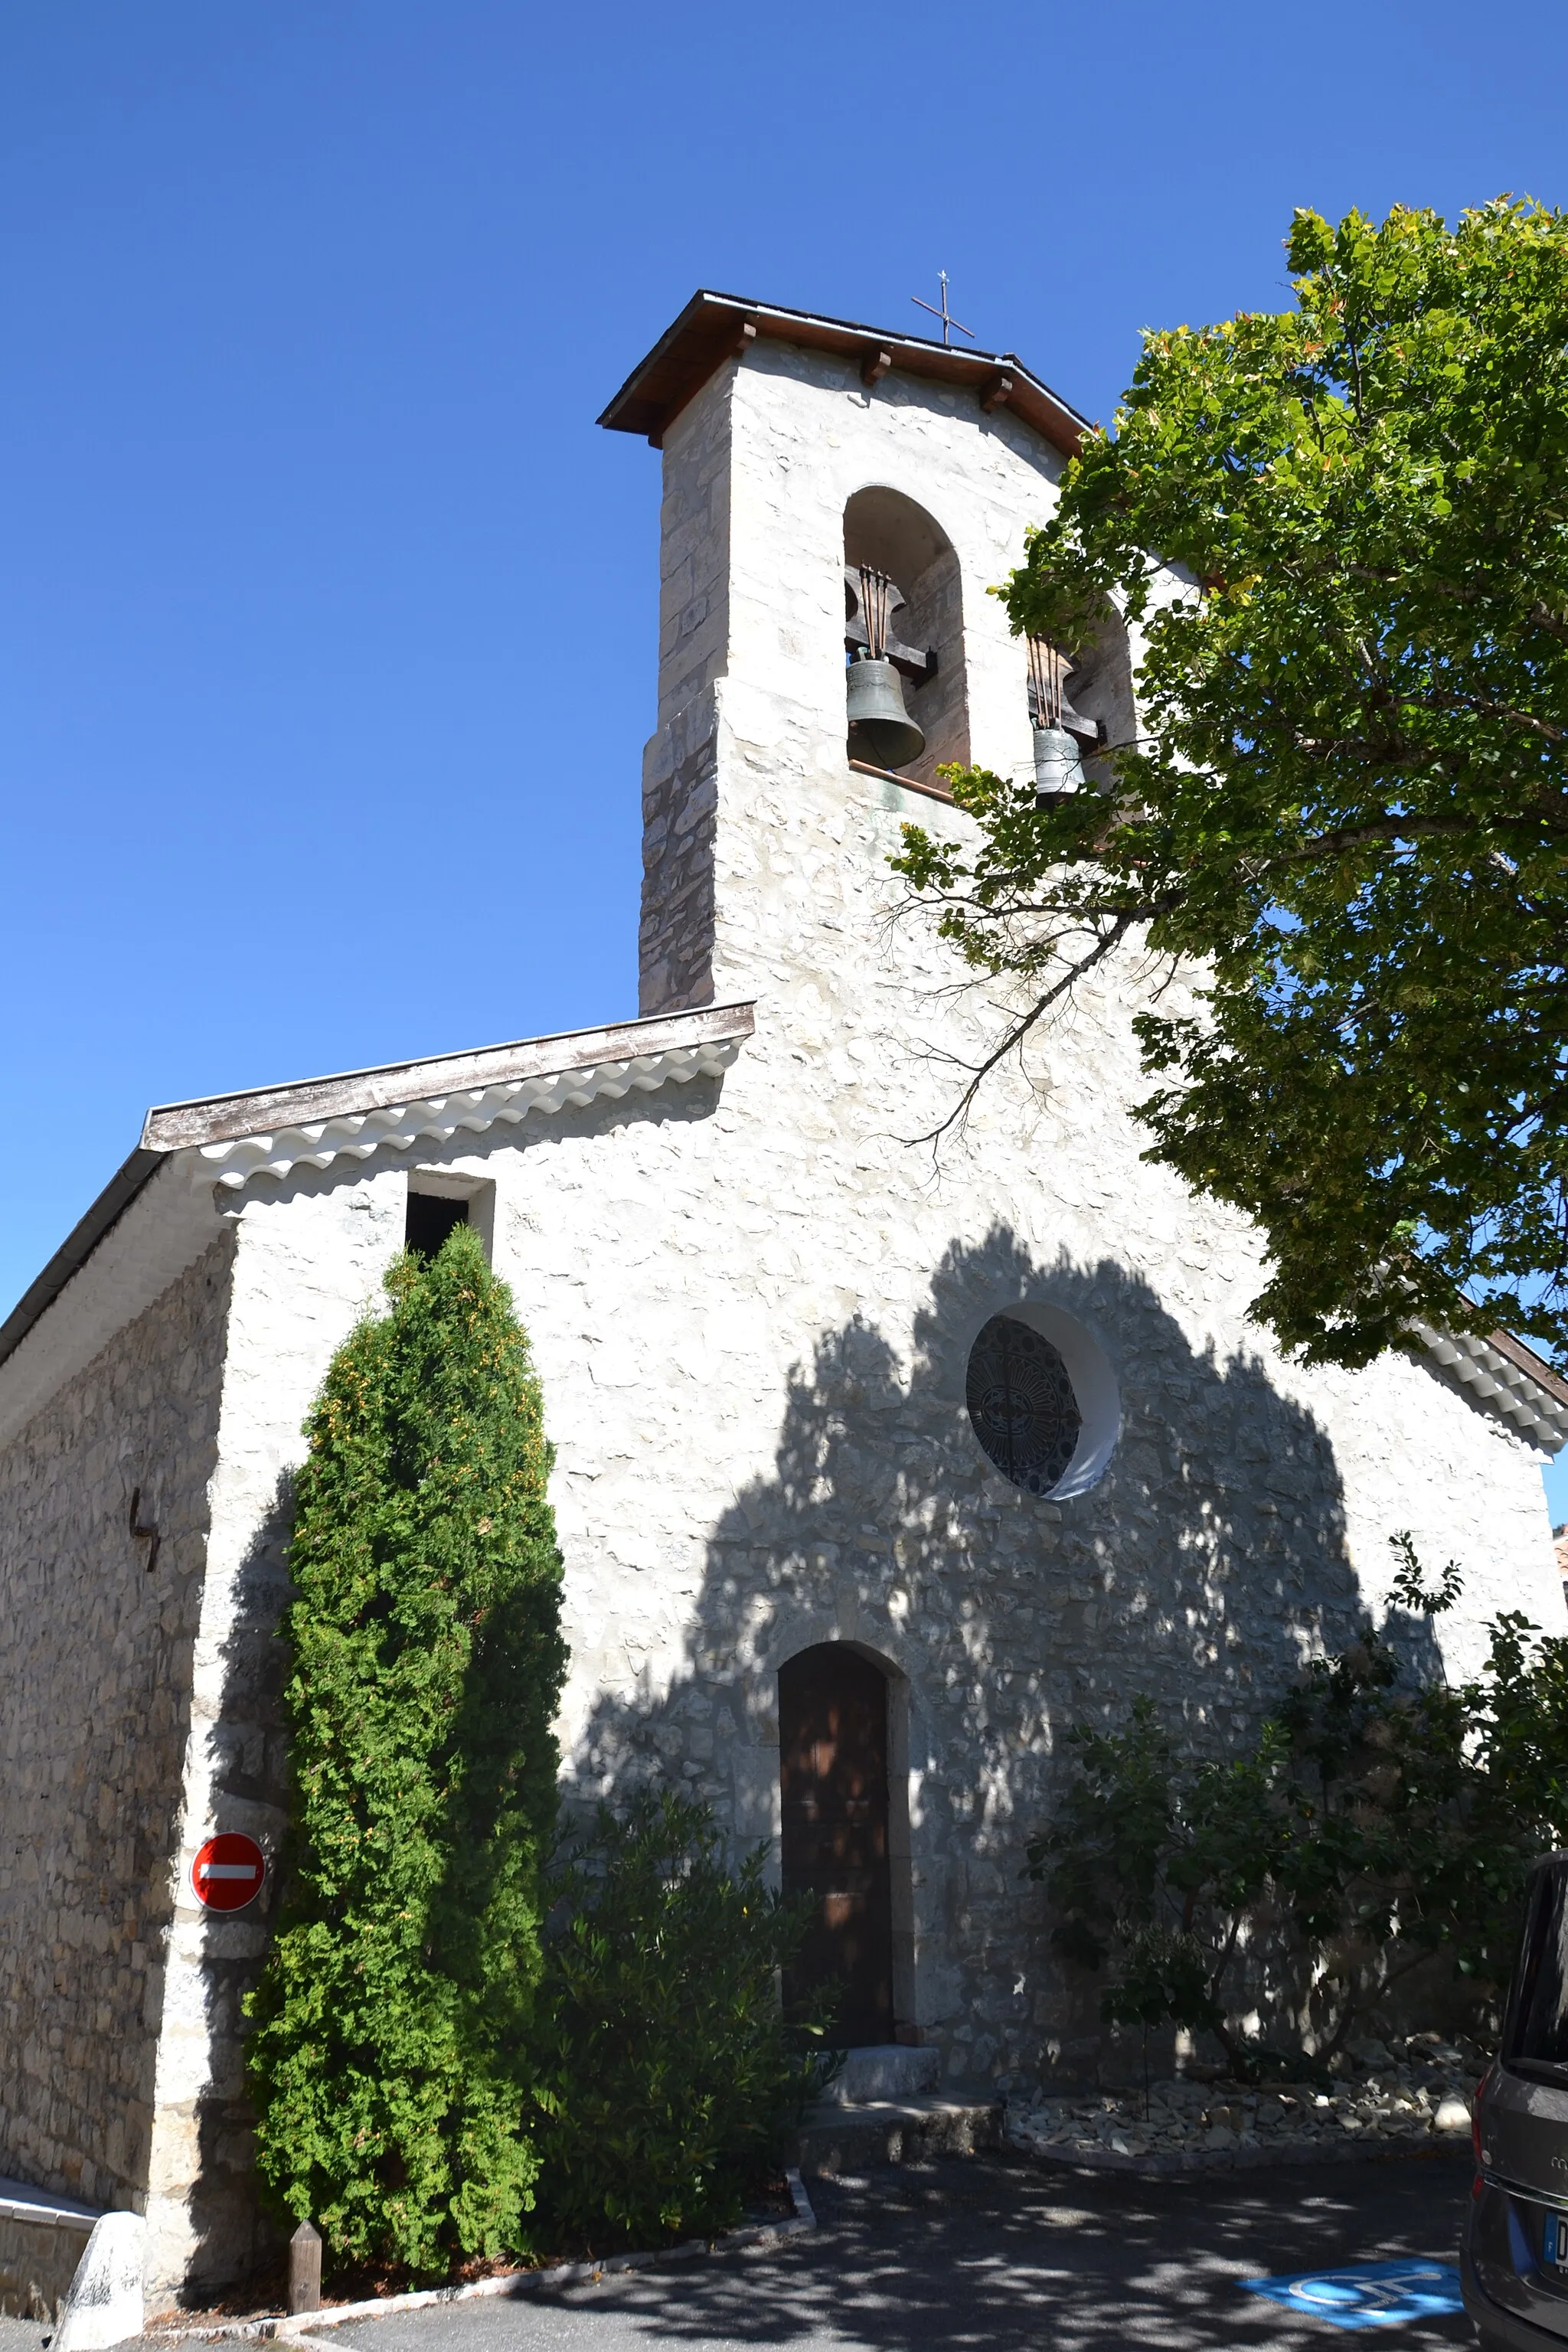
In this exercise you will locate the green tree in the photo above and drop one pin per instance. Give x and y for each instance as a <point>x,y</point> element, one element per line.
<point>1377,1822</point>
<point>386,2058</point>
<point>667,2080</point>
<point>1346,810</point>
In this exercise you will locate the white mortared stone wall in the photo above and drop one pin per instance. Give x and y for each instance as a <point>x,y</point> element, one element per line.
<point>305,1269</point>
<point>93,1733</point>
<point>752,1301</point>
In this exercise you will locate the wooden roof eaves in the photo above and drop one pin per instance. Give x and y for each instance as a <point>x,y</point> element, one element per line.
<point>123,1187</point>
<point>712,328</point>
<point>1520,1353</point>
<point>217,1118</point>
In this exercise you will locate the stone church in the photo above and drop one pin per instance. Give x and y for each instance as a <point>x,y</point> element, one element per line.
<point>877,1468</point>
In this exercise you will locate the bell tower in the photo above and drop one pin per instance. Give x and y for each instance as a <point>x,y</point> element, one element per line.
<point>836,503</point>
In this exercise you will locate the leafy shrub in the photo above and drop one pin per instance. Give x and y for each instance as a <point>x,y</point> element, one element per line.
<point>665,2079</point>
<point>1376,1822</point>
<point>426,1660</point>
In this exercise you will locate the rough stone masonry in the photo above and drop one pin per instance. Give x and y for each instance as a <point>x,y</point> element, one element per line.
<point>753,1299</point>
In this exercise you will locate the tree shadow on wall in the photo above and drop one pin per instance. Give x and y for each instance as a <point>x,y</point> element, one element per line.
<point>1207,1564</point>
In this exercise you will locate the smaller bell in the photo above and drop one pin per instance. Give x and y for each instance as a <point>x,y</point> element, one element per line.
<point>881,732</point>
<point>1058,769</point>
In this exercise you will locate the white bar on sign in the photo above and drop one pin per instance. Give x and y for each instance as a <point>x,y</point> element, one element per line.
<point>226,1870</point>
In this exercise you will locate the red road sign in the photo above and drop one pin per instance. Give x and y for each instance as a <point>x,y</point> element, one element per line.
<point>228,1872</point>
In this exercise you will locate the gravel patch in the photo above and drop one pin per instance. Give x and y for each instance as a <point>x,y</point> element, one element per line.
<point>1397,2097</point>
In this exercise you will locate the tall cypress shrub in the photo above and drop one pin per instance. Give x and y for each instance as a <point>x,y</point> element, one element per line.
<point>387,2061</point>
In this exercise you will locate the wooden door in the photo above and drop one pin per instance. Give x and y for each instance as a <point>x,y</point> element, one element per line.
<point>833,1767</point>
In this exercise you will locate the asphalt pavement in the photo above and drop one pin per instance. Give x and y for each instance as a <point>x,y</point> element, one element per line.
<point>973,2252</point>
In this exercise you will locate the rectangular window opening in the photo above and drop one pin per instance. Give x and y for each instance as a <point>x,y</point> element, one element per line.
<point>431,1217</point>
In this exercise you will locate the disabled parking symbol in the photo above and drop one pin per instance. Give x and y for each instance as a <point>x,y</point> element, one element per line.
<point>1367,2294</point>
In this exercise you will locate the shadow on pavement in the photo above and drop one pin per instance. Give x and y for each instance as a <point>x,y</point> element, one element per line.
<point>981,2251</point>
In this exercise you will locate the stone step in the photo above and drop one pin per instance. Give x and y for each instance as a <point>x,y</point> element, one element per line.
<point>42,2239</point>
<point>839,2139</point>
<point>884,2070</point>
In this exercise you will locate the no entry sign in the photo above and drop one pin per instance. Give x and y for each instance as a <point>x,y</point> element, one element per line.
<point>228,1871</point>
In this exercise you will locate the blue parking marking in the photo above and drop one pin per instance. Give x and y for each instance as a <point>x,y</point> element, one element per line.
<point>1367,2294</point>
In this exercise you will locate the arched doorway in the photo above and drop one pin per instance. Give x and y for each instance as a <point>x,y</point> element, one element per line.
<point>833,1773</point>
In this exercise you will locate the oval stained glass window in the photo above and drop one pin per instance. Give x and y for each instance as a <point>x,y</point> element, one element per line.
<point>1022,1405</point>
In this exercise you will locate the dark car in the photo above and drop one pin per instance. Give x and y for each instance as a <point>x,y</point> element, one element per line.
<point>1515,2263</point>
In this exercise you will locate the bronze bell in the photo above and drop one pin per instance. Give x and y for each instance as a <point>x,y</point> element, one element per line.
<point>881,732</point>
<point>1058,769</point>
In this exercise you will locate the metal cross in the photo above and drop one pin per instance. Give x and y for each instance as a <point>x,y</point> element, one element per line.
<point>947,322</point>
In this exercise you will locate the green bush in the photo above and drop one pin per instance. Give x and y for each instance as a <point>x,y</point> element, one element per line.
<point>667,2082</point>
<point>393,2009</point>
<point>1376,1823</point>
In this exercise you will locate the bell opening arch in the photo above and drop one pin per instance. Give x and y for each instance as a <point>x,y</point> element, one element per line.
<point>891,535</point>
<point>1099,707</point>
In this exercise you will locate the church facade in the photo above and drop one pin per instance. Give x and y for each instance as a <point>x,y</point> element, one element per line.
<point>930,1455</point>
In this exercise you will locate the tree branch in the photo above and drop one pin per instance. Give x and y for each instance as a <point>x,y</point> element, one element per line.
<point>1020,1029</point>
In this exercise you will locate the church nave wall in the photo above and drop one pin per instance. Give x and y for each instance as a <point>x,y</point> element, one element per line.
<point>98,1643</point>
<point>308,1258</point>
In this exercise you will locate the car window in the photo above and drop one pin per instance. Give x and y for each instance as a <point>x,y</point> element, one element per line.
<point>1539,2021</point>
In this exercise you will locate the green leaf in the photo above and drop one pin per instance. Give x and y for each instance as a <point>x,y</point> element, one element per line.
<point>388,2056</point>
<point>1342,816</point>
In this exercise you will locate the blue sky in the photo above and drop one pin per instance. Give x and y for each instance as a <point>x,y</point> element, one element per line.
<point>327,618</point>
